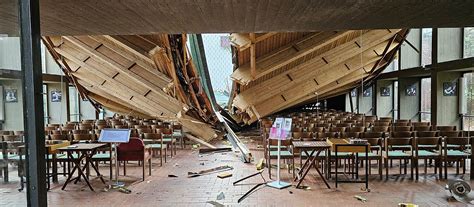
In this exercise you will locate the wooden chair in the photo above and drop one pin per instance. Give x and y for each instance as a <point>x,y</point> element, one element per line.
<point>286,154</point>
<point>427,148</point>
<point>380,129</point>
<point>382,123</point>
<point>155,142</point>
<point>450,133</point>
<point>134,150</point>
<point>178,133</point>
<point>168,139</point>
<point>393,152</point>
<point>374,154</point>
<point>454,150</point>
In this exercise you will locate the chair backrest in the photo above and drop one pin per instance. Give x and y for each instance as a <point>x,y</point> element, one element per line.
<point>154,136</point>
<point>426,134</point>
<point>5,132</point>
<point>356,129</point>
<point>131,151</point>
<point>428,141</point>
<point>375,141</point>
<point>372,134</point>
<point>319,129</point>
<point>121,127</point>
<point>350,135</point>
<point>82,137</point>
<point>164,131</point>
<point>337,129</point>
<point>141,127</point>
<point>80,131</point>
<point>446,128</point>
<point>400,124</point>
<point>422,128</point>
<point>386,119</point>
<point>450,133</point>
<point>59,137</point>
<point>380,129</point>
<point>85,127</point>
<point>345,125</point>
<point>381,123</point>
<point>403,120</point>
<point>145,130</point>
<point>274,142</point>
<point>401,128</point>
<point>296,129</point>
<point>11,138</point>
<point>398,141</point>
<point>402,134</point>
<point>417,124</point>
<point>21,133</point>
<point>457,142</point>
<point>297,135</point>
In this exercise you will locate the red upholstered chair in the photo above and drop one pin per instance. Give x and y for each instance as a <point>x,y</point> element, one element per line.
<point>134,150</point>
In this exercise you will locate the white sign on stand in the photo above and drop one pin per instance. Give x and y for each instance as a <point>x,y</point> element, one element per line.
<point>115,136</point>
<point>281,130</point>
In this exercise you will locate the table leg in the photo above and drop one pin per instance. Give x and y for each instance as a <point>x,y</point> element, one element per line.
<point>367,167</point>
<point>305,169</point>
<point>97,170</point>
<point>337,164</point>
<point>304,165</point>
<point>55,168</point>
<point>69,155</point>
<point>319,172</point>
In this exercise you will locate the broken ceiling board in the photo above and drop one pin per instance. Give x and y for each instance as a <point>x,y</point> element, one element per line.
<point>309,69</point>
<point>345,61</point>
<point>294,52</point>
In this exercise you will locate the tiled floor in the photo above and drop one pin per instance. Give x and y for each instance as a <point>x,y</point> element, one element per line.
<point>161,190</point>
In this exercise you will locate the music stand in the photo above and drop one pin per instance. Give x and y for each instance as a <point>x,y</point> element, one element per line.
<point>115,137</point>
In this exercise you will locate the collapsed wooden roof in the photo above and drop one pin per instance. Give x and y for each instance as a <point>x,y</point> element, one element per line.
<point>93,17</point>
<point>150,76</point>
<point>275,71</point>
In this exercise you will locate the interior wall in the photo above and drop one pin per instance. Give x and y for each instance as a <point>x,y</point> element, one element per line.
<point>409,105</point>
<point>448,107</point>
<point>450,44</point>
<point>384,103</point>
<point>13,110</point>
<point>57,110</point>
<point>87,110</point>
<point>10,53</point>
<point>365,103</point>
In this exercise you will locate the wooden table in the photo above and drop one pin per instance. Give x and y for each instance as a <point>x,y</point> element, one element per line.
<point>343,145</point>
<point>312,149</point>
<point>86,151</point>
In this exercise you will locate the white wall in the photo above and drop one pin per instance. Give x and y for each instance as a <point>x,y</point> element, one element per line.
<point>57,110</point>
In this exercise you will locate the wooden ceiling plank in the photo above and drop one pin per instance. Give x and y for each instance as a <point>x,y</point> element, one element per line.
<point>119,68</point>
<point>286,55</point>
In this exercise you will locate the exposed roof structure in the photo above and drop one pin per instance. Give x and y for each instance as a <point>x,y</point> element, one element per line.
<point>144,75</point>
<point>92,17</point>
<point>275,71</point>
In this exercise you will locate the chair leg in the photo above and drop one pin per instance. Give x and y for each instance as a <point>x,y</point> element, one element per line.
<point>125,168</point>
<point>386,168</point>
<point>379,162</point>
<point>161,156</point>
<point>149,167</point>
<point>143,170</point>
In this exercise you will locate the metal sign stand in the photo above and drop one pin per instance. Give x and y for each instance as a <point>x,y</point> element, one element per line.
<point>277,183</point>
<point>117,183</point>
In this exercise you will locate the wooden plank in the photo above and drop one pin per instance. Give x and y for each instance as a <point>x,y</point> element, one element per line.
<point>308,70</point>
<point>253,66</point>
<point>120,69</point>
<point>286,55</point>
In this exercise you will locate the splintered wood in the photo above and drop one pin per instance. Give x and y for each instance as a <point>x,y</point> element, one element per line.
<point>148,76</point>
<point>296,71</point>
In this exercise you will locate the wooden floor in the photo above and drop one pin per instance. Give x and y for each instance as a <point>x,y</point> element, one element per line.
<point>161,190</point>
